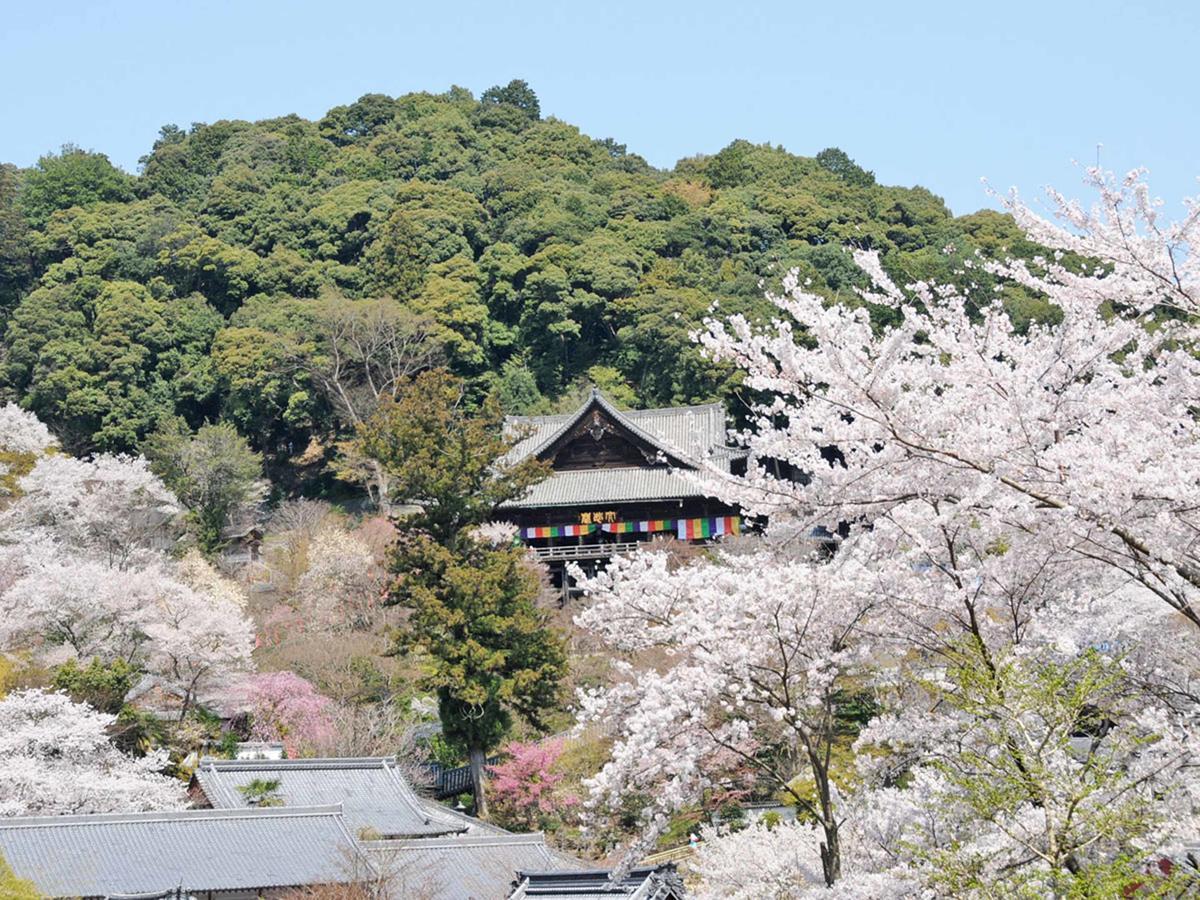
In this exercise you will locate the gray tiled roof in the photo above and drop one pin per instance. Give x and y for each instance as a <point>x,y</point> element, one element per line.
<point>473,827</point>
<point>373,793</point>
<point>659,883</point>
<point>463,868</point>
<point>200,850</point>
<point>690,432</point>
<point>599,486</point>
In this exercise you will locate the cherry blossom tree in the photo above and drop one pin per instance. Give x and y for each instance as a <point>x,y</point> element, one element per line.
<point>195,639</point>
<point>1039,775</point>
<point>17,559</point>
<point>23,432</point>
<point>293,526</point>
<point>56,758</point>
<point>344,582</point>
<point>191,634</point>
<point>779,863</point>
<point>1077,434</point>
<point>23,438</point>
<point>285,707</point>
<point>525,785</point>
<point>757,646</point>
<point>111,507</point>
<point>1008,495</point>
<point>83,573</point>
<point>203,576</point>
<point>90,608</point>
<point>1051,776</point>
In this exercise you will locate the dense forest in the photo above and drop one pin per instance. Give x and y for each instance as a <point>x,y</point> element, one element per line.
<point>255,272</point>
<point>951,655</point>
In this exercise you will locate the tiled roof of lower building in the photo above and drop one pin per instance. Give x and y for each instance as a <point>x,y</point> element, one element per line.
<point>462,868</point>
<point>373,793</point>
<point>472,827</point>
<point>646,883</point>
<point>198,850</point>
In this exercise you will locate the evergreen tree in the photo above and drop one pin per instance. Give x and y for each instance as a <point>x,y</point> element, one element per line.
<point>439,454</point>
<point>490,652</point>
<point>472,602</point>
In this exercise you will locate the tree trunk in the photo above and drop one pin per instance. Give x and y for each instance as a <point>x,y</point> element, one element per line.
<point>831,848</point>
<point>478,758</point>
<point>382,491</point>
<point>831,854</point>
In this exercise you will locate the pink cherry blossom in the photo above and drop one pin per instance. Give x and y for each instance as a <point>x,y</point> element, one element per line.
<point>526,784</point>
<point>285,707</point>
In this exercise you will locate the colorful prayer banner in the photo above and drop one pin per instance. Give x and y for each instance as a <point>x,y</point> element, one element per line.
<point>645,526</point>
<point>552,531</point>
<point>657,525</point>
<point>620,527</point>
<point>685,529</point>
<point>701,529</point>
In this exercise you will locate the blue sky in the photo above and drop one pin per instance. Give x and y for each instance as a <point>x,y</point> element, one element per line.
<point>931,93</point>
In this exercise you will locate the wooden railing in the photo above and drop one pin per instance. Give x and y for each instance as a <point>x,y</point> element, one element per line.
<point>452,782</point>
<point>455,781</point>
<point>673,855</point>
<point>569,552</point>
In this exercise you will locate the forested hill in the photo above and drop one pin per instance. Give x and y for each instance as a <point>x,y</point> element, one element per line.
<point>538,258</point>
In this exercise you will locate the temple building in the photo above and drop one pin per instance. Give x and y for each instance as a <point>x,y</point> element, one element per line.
<point>620,478</point>
<point>200,854</point>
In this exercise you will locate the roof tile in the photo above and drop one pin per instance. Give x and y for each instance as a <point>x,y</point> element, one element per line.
<point>200,850</point>
<point>372,791</point>
<point>463,868</point>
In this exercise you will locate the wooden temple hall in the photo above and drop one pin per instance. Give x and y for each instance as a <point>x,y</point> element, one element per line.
<point>618,481</point>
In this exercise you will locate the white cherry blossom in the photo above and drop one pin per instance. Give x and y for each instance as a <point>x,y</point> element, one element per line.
<point>56,758</point>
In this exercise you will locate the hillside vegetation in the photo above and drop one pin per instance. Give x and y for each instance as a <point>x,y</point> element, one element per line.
<point>226,281</point>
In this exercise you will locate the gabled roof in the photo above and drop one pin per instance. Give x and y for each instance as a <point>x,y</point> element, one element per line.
<point>462,868</point>
<point>373,793</point>
<point>686,437</point>
<point>472,827</point>
<point>647,883</point>
<point>687,433</point>
<point>198,850</point>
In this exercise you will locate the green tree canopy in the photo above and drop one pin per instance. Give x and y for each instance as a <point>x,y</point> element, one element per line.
<point>213,472</point>
<point>73,177</point>
<point>101,686</point>
<point>442,455</point>
<point>840,164</point>
<point>517,94</point>
<point>488,650</point>
<point>529,247</point>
